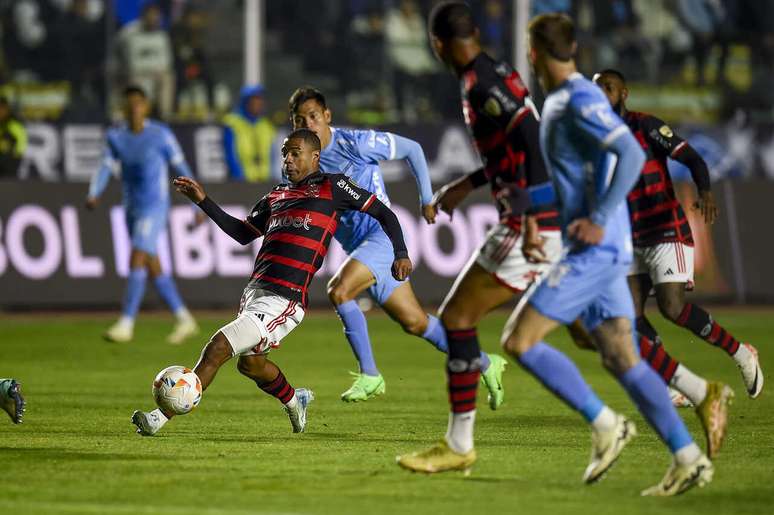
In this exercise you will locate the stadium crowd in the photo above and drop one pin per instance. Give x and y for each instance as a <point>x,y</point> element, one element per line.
<point>66,61</point>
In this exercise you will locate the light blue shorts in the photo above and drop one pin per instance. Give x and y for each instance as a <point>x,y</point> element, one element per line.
<point>145,228</point>
<point>590,284</point>
<point>377,254</point>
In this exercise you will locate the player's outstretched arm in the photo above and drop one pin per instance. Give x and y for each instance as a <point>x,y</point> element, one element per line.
<point>234,227</point>
<point>412,152</point>
<point>452,194</point>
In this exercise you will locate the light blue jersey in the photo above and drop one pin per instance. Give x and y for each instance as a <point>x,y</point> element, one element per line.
<point>356,153</point>
<point>143,160</point>
<point>577,128</point>
<point>594,161</point>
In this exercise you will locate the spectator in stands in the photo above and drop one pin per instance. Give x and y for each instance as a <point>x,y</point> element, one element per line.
<point>145,58</point>
<point>409,52</point>
<point>81,40</point>
<point>248,138</point>
<point>13,141</point>
<point>192,71</point>
<point>494,29</point>
<point>701,18</point>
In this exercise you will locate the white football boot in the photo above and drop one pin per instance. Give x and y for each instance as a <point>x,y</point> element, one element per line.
<point>148,424</point>
<point>606,446</point>
<point>681,478</point>
<point>297,413</point>
<point>185,328</point>
<point>120,332</point>
<point>750,367</point>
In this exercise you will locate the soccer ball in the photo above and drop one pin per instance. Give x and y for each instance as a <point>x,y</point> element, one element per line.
<point>177,390</point>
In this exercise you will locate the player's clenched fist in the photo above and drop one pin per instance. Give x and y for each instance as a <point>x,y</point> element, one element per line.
<point>401,269</point>
<point>190,188</point>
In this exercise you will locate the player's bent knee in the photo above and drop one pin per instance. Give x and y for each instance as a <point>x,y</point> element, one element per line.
<point>514,345</point>
<point>337,293</point>
<point>671,308</point>
<point>457,317</point>
<point>414,325</point>
<point>251,367</point>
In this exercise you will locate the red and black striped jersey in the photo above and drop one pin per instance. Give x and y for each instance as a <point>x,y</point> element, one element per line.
<point>297,222</point>
<point>503,122</point>
<point>655,212</point>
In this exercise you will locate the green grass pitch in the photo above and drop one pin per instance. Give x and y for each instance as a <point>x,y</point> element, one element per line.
<point>77,453</point>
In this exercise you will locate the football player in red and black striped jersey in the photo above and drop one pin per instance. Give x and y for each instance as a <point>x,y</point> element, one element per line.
<point>663,251</point>
<point>503,123</point>
<point>297,220</point>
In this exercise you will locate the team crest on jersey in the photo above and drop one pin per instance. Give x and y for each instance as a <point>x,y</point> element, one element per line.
<point>492,107</point>
<point>313,190</point>
<point>666,131</point>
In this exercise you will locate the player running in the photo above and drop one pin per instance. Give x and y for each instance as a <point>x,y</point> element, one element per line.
<point>504,126</point>
<point>143,149</point>
<point>357,153</point>
<point>297,221</point>
<point>663,250</point>
<point>11,399</point>
<point>578,133</point>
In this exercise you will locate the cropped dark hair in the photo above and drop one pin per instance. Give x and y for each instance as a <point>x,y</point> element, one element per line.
<point>555,34</point>
<point>614,73</point>
<point>134,89</point>
<point>307,136</point>
<point>304,93</point>
<point>451,20</point>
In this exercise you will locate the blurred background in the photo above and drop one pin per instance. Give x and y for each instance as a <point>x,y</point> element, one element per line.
<point>704,66</point>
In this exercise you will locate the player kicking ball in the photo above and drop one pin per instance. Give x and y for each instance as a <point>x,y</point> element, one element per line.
<point>11,399</point>
<point>297,220</point>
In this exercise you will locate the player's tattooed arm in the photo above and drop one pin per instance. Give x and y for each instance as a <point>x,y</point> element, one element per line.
<point>452,194</point>
<point>234,227</point>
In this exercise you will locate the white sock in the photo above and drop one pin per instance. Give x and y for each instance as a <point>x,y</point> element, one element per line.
<point>459,434</point>
<point>688,454</point>
<point>293,402</point>
<point>742,354</point>
<point>126,321</point>
<point>604,421</point>
<point>689,384</point>
<point>183,315</point>
<point>162,417</point>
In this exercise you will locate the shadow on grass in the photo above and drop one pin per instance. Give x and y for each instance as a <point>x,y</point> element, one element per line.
<point>56,453</point>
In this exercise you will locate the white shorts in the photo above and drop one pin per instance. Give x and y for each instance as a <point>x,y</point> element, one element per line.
<point>264,320</point>
<point>501,256</point>
<point>670,262</point>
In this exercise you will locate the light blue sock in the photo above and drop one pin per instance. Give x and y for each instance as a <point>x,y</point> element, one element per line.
<point>356,331</point>
<point>135,289</point>
<point>165,285</point>
<point>649,393</point>
<point>436,334</point>
<point>562,377</point>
